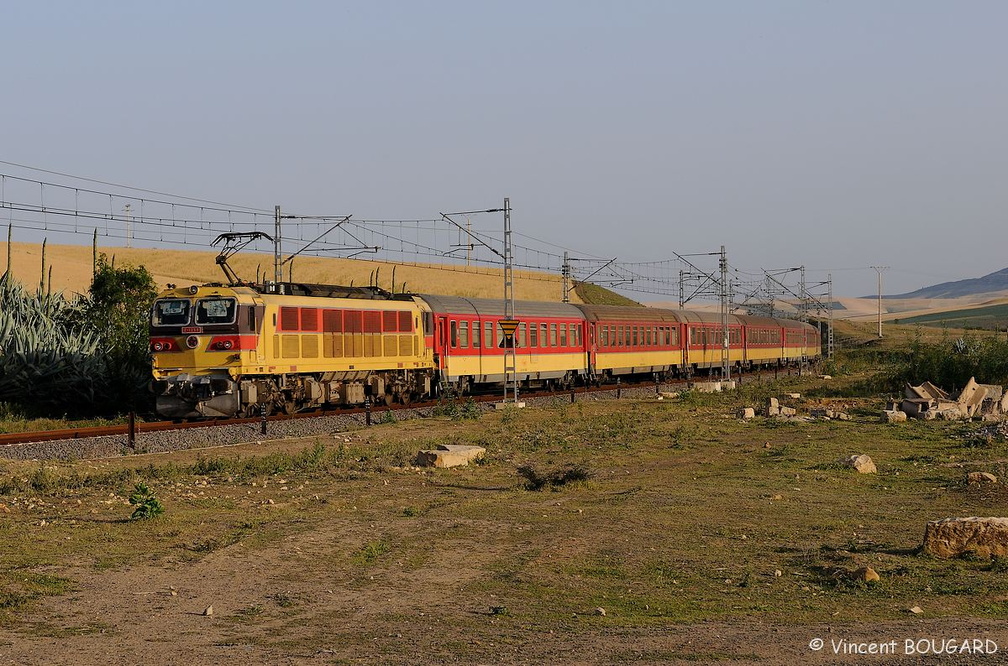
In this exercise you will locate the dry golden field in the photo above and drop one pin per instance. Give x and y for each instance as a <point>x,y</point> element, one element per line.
<point>72,267</point>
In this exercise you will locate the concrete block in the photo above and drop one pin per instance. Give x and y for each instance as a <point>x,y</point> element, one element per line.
<point>450,455</point>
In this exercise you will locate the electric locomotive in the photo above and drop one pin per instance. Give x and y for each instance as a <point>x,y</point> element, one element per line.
<point>221,351</point>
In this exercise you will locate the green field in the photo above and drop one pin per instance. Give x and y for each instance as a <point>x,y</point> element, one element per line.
<point>989,318</point>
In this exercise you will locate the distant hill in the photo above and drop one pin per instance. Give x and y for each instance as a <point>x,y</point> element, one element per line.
<point>988,284</point>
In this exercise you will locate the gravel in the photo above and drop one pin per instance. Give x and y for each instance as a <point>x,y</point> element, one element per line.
<point>91,448</point>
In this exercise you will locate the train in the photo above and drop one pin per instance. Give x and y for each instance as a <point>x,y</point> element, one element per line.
<point>244,349</point>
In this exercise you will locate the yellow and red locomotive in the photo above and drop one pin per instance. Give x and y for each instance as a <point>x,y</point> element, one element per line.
<point>229,350</point>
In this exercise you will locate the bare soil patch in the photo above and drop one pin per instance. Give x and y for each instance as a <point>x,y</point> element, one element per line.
<point>702,538</point>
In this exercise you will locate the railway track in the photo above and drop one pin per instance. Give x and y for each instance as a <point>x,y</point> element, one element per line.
<point>150,437</point>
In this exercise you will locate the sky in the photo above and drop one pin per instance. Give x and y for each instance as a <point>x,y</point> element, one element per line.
<point>832,135</point>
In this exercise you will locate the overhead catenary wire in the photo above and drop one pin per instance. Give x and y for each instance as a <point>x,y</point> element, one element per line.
<point>156,217</point>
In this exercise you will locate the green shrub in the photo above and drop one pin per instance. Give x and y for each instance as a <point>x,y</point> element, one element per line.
<point>147,505</point>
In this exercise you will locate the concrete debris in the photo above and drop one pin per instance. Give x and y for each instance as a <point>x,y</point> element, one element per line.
<point>747,413</point>
<point>893,416</point>
<point>987,402</point>
<point>980,478</point>
<point>450,455</point>
<point>829,414</point>
<point>866,575</point>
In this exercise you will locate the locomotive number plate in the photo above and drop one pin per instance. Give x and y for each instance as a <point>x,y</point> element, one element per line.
<point>192,329</point>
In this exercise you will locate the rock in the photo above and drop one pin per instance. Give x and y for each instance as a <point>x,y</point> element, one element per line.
<point>793,396</point>
<point>821,413</point>
<point>772,403</point>
<point>893,416</point>
<point>766,445</point>
<point>707,387</point>
<point>773,411</point>
<point>843,416</point>
<point>916,610</point>
<point>208,611</point>
<point>825,377</point>
<point>862,463</point>
<point>777,497</point>
<point>778,573</point>
<point>747,413</point>
<point>951,537</point>
<point>600,611</point>
<point>866,575</point>
<point>788,411</point>
<point>450,455</point>
<point>981,477</point>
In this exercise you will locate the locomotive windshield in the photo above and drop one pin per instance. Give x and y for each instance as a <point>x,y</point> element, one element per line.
<point>171,312</point>
<point>215,310</point>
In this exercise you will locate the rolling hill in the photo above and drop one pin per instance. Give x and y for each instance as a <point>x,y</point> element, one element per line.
<point>991,285</point>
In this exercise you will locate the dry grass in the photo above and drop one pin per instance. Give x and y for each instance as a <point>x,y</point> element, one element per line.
<point>72,271</point>
<point>679,513</point>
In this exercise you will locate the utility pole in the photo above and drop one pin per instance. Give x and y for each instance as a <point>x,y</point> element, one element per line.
<point>129,233</point>
<point>565,272</point>
<point>829,330</point>
<point>510,360</point>
<point>879,269</point>
<point>277,266</point>
<point>725,358</point>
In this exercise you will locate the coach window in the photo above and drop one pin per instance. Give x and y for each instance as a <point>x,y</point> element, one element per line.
<point>488,334</point>
<point>464,334</point>
<point>522,333</point>
<point>475,335</point>
<point>553,335</point>
<point>544,335</point>
<point>533,334</point>
<point>454,334</point>
<point>575,335</point>
<point>563,335</point>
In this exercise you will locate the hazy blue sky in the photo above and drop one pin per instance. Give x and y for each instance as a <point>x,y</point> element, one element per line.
<point>837,135</point>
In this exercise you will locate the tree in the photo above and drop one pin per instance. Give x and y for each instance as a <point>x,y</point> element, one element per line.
<point>119,307</point>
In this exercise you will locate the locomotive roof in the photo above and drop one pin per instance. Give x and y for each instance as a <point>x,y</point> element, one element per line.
<point>495,307</point>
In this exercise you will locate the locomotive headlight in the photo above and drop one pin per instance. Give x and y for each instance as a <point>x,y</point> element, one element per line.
<point>193,289</point>
<point>158,346</point>
<point>192,342</point>
<point>227,344</point>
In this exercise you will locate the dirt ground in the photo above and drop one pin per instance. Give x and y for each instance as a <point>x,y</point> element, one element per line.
<point>155,615</point>
<point>372,562</point>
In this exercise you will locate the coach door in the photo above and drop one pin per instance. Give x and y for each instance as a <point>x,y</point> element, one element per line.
<point>592,348</point>
<point>442,342</point>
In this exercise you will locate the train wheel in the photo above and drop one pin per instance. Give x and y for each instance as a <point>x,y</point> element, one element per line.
<point>406,397</point>
<point>289,407</point>
<point>389,399</point>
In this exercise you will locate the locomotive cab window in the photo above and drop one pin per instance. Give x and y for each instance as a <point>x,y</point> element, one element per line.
<point>216,310</point>
<point>171,312</point>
